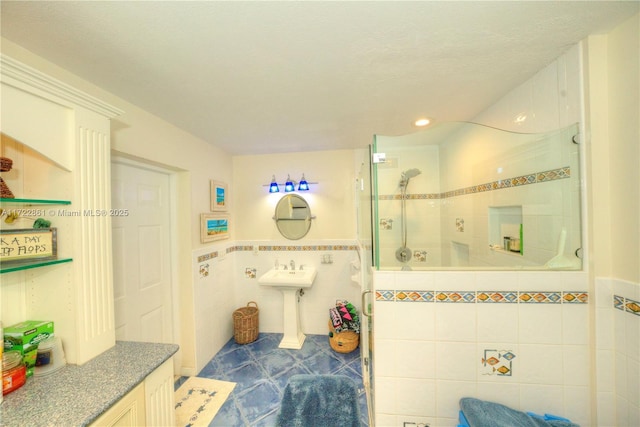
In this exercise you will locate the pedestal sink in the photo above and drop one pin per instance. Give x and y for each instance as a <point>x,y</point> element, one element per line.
<point>290,282</point>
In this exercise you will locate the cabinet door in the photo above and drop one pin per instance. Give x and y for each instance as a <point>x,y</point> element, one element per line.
<point>128,411</point>
<point>160,406</point>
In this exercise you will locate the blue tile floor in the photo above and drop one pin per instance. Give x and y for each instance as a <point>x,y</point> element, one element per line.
<point>261,371</point>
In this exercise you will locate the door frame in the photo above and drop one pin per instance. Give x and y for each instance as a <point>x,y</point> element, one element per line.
<point>173,235</point>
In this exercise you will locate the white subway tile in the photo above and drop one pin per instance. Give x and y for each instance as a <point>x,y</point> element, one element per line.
<point>456,322</point>
<point>415,397</point>
<point>577,405</point>
<point>539,323</point>
<point>415,359</point>
<point>497,322</point>
<point>456,361</point>
<point>575,323</point>
<point>542,399</point>
<point>606,406</point>
<point>540,364</point>
<point>576,365</point>
<point>449,395</point>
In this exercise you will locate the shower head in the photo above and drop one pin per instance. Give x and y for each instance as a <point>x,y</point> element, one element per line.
<point>408,174</point>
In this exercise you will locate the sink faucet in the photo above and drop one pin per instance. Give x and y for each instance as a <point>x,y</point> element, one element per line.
<point>292,263</point>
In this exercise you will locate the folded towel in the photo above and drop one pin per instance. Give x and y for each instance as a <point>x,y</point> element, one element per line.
<point>479,413</point>
<point>336,320</point>
<point>319,401</point>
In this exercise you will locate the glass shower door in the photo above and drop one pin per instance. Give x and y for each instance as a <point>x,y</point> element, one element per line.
<point>365,248</point>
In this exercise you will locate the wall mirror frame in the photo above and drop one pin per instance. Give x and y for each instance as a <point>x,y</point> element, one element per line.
<point>293,217</point>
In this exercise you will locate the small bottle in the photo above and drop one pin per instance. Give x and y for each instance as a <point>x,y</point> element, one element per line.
<point>506,242</point>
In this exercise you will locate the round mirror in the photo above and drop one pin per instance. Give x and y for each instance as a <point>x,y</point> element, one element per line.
<point>293,217</point>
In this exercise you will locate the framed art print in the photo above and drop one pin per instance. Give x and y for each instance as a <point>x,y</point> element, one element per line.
<point>213,227</point>
<point>219,196</point>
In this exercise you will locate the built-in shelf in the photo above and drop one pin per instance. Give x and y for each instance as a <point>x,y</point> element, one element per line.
<point>11,266</point>
<point>505,221</point>
<point>32,202</point>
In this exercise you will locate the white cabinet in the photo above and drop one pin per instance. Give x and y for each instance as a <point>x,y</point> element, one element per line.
<point>128,411</point>
<point>150,403</point>
<point>159,396</point>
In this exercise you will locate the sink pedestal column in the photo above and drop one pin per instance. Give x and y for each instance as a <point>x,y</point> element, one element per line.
<point>293,336</point>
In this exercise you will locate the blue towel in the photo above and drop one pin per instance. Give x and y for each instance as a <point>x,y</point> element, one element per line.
<point>319,401</point>
<point>479,413</point>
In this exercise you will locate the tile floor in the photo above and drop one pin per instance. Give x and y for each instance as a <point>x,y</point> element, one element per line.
<point>261,371</point>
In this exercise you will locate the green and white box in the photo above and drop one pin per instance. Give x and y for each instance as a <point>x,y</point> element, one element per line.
<point>25,336</point>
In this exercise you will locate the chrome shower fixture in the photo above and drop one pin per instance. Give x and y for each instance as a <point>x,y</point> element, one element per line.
<point>403,254</point>
<point>407,175</point>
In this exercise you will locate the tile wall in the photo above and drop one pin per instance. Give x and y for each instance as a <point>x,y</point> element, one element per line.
<point>618,352</point>
<point>226,278</point>
<point>518,338</point>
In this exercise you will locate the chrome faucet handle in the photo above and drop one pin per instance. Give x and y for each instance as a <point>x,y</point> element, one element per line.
<point>301,267</point>
<point>292,263</point>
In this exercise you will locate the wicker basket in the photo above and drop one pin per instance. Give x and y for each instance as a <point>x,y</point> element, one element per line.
<point>5,193</point>
<point>5,164</point>
<point>343,342</point>
<point>245,324</point>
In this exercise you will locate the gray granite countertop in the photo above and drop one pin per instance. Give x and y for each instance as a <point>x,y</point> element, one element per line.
<point>78,394</point>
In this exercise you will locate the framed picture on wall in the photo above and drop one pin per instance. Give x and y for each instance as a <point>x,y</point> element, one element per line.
<point>219,196</point>
<point>213,227</point>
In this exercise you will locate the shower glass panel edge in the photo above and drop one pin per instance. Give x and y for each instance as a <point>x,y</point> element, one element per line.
<point>478,185</point>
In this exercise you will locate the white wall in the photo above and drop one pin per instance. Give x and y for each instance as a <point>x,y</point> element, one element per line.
<point>613,90</point>
<point>331,197</point>
<point>193,162</point>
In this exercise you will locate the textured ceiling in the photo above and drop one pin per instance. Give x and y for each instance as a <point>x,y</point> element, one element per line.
<point>258,77</point>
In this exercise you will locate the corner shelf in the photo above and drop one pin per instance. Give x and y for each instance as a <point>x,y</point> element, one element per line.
<point>11,266</point>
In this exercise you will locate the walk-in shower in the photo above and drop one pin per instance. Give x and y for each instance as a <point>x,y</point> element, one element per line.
<point>403,253</point>
<point>485,199</point>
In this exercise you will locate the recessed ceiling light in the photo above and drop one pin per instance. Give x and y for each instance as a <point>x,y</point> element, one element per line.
<point>422,122</point>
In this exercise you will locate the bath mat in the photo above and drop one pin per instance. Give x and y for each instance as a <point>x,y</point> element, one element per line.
<point>198,400</point>
<point>319,401</point>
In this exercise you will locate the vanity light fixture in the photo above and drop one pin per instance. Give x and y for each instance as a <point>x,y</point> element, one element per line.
<point>273,187</point>
<point>289,186</point>
<point>304,185</point>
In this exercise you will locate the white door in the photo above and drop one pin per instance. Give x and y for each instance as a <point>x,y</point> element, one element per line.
<point>141,223</point>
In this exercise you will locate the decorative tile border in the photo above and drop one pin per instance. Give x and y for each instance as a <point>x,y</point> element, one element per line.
<point>205,257</point>
<point>453,296</point>
<point>497,296</point>
<point>414,296</point>
<point>540,297</point>
<point>534,178</point>
<point>626,304</point>
<point>269,248</point>
<point>490,297</point>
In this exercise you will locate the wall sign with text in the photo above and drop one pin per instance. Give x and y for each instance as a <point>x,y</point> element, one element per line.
<point>28,244</point>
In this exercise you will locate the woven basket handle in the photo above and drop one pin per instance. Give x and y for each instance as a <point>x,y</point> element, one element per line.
<point>252,302</point>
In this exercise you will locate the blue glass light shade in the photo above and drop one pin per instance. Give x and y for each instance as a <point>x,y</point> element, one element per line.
<point>304,185</point>
<point>288,186</point>
<point>273,187</point>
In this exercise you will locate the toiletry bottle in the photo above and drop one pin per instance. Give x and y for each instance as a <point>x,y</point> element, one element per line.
<point>506,242</point>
